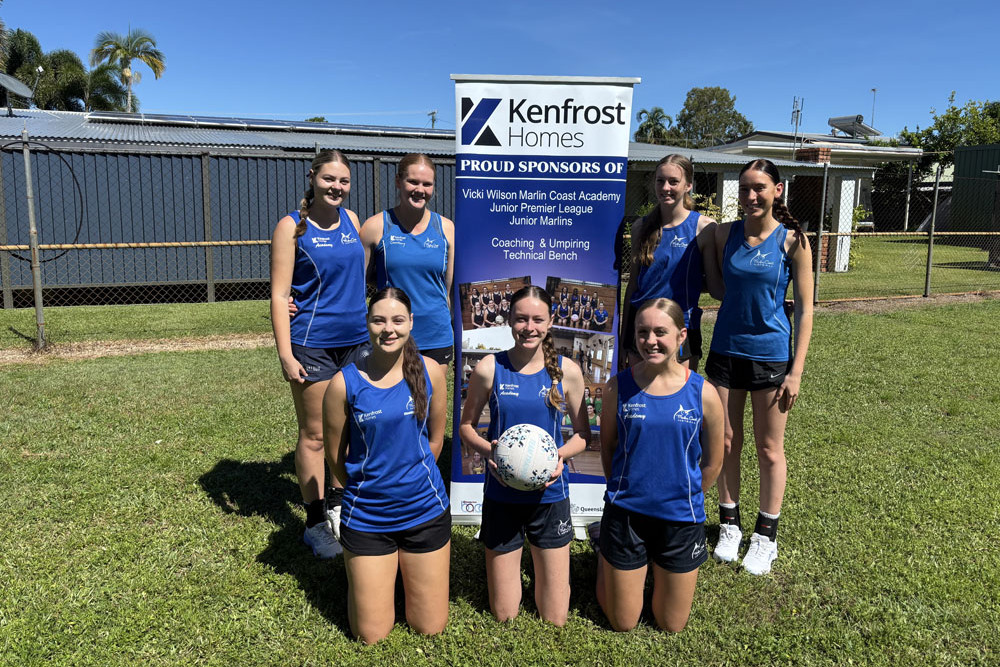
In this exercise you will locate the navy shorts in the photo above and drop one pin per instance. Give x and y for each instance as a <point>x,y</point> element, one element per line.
<point>745,374</point>
<point>442,355</point>
<point>691,347</point>
<point>322,363</point>
<point>506,525</point>
<point>630,540</point>
<point>420,539</point>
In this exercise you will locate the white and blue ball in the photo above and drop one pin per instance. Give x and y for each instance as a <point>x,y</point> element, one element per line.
<point>526,456</point>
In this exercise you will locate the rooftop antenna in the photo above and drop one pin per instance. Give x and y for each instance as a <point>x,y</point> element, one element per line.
<point>797,103</point>
<point>433,115</point>
<point>10,85</point>
<point>872,121</point>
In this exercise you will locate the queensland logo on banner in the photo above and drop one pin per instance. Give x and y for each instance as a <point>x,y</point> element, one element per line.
<point>541,166</point>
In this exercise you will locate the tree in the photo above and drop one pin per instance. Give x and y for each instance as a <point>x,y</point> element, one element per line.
<point>653,126</point>
<point>316,119</point>
<point>709,118</point>
<point>61,84</point>
<point>974,124</point>
<point>137,44</point>
<point>103,90</point>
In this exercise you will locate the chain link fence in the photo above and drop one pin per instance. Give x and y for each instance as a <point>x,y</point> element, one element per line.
<point>176,227</point>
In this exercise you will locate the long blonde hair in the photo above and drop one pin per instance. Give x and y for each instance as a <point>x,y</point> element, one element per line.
<point>651,231</point>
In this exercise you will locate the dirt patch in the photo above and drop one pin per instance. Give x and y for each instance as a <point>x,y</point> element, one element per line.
<point>93,350</point>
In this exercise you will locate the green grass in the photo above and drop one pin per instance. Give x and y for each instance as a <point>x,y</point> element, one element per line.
<point>150,517</point>
<point>887,266</point>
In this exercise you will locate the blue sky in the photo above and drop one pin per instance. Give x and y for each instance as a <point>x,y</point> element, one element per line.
<point>389,63</point>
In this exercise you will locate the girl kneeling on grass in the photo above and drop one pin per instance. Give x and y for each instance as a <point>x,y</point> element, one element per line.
<point>528,383</point>
<point>384,422</point>
<point>665,451</point>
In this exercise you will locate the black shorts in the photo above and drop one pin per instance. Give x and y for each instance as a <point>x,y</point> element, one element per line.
<point>746,374</point>
<point>420,539</point>
<point>442,355</point>
<point>322,363</point>
<point>630,540</point>
<point>691,347</point>
<point>506,525</point>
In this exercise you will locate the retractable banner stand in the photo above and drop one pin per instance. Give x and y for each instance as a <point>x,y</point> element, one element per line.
<point>540,191</point>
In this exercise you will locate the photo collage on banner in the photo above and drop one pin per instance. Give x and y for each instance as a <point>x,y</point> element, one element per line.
<point>540,191</point>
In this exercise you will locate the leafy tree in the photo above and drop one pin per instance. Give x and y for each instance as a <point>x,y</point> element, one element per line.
<point>104,91</point>
<point>973,124</point>
<point>61,84</point>
<point>654,125</point>
<point>137,44</point>
<point>709,118</point>
<point>316,119</point>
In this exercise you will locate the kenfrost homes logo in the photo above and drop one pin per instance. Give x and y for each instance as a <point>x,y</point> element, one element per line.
<point>761,260</point>
<point>522,116</point>
<point>633,411</point>
<point>687,416</point>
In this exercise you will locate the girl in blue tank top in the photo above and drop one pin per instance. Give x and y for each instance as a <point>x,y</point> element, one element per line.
<point>528,383</point>
<point>413,249</point>
<point>750,352</point>
<point>661,447</point>
<point>672,254</point>
<point>384,429</point>
<point>316,254</point>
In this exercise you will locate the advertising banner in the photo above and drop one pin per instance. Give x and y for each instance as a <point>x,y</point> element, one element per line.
<point>540,171</point>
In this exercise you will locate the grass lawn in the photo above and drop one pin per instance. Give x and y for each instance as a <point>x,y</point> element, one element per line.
<point>151,517</point>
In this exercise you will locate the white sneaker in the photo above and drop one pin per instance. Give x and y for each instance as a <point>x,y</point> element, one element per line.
<point>760,555</point>
<point>333,518</point>
<point>728,547</point>
<point>322,542</point>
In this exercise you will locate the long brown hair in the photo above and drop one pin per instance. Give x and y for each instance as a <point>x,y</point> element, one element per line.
<point>555,397</point>
<point>413,363</point>
<point>652,229</point>
<point>778,208</point>
<point>668,306</point>
<point>323,157</point>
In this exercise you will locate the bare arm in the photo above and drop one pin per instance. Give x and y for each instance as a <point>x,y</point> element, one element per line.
<point>449,234</point>
<point>710,261</point>
<point>371,235</point>
<point>721,235</point>
<point>476,396</point>
<point>802,289</point>
<point>609,432</point>
<point>573,394</point>
<point>335,430</point>
<point>282,266</point>
<point>437,411</point>
<point>712,431</point>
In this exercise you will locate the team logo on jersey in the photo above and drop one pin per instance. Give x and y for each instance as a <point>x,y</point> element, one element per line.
<point>698,550</point>
<point>431,243</point>
<point>509,389</point>
<point>368,416</point>
<point>346,238</point>
<point>760,260</point>
<point>410,407</point>
<point>633,411</point>
<point>474,119</point>
<point>679,242</point>
<point>563,527</point>
<point>397,240</point>
<point>321,242</point>
<point>687,416</point>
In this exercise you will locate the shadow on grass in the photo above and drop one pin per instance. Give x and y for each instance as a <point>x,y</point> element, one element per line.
<point>972,266</point>
<point>268,489</point>
<point>23,336</point>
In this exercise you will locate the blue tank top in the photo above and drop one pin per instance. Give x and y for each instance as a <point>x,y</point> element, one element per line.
<point>393,482</point>
<point>752,322</point>
<point>328,283</point>
<point>656,469</point>
<point>676,272</point>
<point>520,399</point>
<point>418,265</point>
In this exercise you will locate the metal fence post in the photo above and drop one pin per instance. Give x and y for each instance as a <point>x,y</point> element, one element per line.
<point>5,277</point>
<point>930,232</point>
<point>36,267</point>
<point>819,233</point>
<point>909,188</point>
<point>377,184</point>
<point>206,207</point>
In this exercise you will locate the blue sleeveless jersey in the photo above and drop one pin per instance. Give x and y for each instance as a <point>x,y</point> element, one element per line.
<point>752,322</point>
<point>520,399</point>
<point>328,283</point>
<point>393,480</point>
<point>418,265</point>
<point>656,469</point>
<point>677,270</point>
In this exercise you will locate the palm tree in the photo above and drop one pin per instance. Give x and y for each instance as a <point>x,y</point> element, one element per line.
<point>104,91</point>
<point>112,47</point>
<point>61,84</point>
<point>654,125</point>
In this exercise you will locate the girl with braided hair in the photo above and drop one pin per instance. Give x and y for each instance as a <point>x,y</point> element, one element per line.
<point>528,383</point>
<point>318,264</point>
<point>752,352</point>
<point>384,420</point>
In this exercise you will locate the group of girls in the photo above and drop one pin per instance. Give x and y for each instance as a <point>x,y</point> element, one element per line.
<point>580,311</point>
<point>492,307</point>
<point>375,398</point>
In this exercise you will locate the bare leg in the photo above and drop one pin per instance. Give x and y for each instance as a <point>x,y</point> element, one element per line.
<point>733,401</point>
<point>371,589</point>
<point>551,583</point>
<point>503,578</point>
<point>673,594</point>
<point>425,581</point>
<point>619,593</point>
<point>309,453</point>
<point>769,434</point>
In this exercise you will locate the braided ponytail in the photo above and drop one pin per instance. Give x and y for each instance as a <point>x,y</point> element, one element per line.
<point>555,397</point>
<point>778,208</point>
<point>323,157</point>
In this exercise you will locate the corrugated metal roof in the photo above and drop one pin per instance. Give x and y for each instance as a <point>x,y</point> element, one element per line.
<point>652,153</point>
